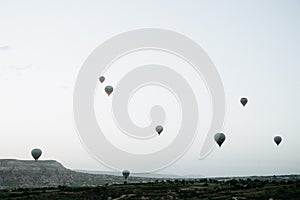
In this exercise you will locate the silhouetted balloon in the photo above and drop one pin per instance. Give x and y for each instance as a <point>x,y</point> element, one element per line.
<point>125,174</point>
<point>102,79</point>
<point>277,140</point>
<point>109,89</point>
<point>219,138</point>
<point>36,153</point>
<point>244,101</point>
<point>159,129</point>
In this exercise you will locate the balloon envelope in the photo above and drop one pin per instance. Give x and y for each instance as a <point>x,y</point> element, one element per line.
<point>125,174</point>
<point>109,89</point>
<point>36,153</point>
<point>101,79</point>
<point>219,138</point>
<point>277,140</point>
<point>244,101</point>
<point>159,129</point>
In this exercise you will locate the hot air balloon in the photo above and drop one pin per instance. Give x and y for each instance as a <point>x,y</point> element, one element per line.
<point>159,129</point>
<point>109,89</point>
<point>36,153</point>
<point>244,101</point>
<point>125,174</point>
<point>277,140</point>
<point>101,79</point>
<point>219,138</point>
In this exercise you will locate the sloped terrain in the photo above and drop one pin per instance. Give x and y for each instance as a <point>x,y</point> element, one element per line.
<point>50,173</point>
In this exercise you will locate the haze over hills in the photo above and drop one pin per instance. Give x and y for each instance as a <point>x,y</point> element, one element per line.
<point>50,173</point>
<point>149,175</point>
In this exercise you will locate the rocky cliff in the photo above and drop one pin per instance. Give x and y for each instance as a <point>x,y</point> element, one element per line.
<point>49,173</point>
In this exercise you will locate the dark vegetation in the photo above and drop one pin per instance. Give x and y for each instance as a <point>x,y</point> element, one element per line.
<point>237,188</point>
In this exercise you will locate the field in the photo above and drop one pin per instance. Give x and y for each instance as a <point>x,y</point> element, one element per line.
<point>237,188</point>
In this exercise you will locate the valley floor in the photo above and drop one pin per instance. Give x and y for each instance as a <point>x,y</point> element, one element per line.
<point>168,189</point>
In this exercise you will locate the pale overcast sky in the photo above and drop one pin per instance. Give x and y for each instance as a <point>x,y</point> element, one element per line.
<point>255,46</point>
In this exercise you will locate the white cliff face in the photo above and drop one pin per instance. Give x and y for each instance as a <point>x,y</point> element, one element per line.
<point>15,165</point>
